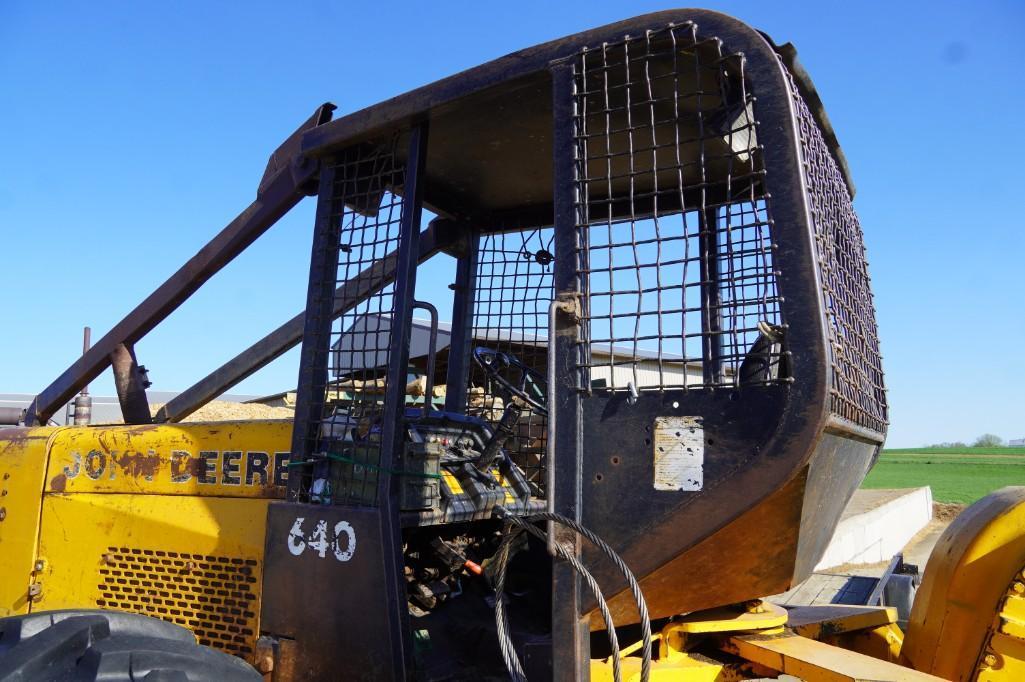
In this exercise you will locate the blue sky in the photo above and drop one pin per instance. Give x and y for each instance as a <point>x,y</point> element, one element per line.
<point>131,132</point>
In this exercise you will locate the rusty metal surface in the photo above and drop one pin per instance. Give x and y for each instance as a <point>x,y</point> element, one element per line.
<point>330,609</point>
<point>214,596</point>
<point>131,383</point>
<point>759,437</point>
<point>833,619</point>
<point>514,72</point>
<point>764,439</point>
<point>284,158</point>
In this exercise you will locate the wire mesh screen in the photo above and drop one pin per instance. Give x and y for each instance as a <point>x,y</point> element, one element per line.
<point>858,394</point>
<point>367,214</point>
<point>513,292</point>
<point>675,227</point>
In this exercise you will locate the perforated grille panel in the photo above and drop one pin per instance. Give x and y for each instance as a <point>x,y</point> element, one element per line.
<point>212,596</point>
<point>858,394</point>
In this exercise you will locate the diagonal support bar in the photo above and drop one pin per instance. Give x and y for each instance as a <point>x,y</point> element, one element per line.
<point>131,383</point>
<point>286,181</point>
<point>440,235</point>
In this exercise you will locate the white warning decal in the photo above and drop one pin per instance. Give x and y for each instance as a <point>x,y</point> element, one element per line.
<point>341,543</point>
<point>679,449</point>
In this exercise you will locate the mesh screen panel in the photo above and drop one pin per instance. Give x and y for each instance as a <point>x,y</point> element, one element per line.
<point>213,596</point>
<point>858,393</point>
<point>513,291</point>
<point>674,225</point>
<point>367,214</point>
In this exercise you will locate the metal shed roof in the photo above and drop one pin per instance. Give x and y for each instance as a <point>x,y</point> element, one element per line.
<point>350,357</point>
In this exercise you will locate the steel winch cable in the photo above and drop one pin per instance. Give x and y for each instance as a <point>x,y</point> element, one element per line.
<point>635,587</point>
<point>512,662</point>
<point>508,650</point>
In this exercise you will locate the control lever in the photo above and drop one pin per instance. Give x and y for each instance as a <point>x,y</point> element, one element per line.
<point>503,431</point>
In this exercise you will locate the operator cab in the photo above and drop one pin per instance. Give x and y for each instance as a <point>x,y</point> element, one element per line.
<point>657,267</point>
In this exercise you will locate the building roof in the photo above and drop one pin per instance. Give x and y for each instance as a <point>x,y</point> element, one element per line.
<point>372,331</point>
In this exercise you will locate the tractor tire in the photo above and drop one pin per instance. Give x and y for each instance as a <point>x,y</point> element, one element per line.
<point>87,645</point>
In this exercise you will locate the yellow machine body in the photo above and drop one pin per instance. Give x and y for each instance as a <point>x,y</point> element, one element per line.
<point>761,641</point>
<point>170,521</point>
<point>968,619</point>
<point>22,471</point>
<point>164,520</point>
<point>967,623</point>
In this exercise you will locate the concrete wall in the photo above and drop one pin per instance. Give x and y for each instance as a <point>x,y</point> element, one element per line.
<point>877,526</point>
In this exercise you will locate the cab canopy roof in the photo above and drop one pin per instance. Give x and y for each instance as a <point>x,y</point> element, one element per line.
<point>489,156</point>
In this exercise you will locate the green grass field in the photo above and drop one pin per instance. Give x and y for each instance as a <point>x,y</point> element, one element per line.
<point>962,475</point>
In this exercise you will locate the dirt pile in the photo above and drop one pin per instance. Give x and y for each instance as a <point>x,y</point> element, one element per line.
<point>224,411</point>
<point>946,511</point>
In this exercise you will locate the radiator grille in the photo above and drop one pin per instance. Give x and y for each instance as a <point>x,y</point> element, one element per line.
<point>212,596</point>
<point>858,394</point>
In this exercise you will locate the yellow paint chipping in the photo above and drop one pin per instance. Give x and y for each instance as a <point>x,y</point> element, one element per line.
<point>196,561</point>
<point>22,467</point>
<point>227,459</point>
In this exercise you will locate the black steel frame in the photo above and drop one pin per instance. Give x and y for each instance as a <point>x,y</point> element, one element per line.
<point>393,422</point>
<point>569,627</point>
<point>460,345</point>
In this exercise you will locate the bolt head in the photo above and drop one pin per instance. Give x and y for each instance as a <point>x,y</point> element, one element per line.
<point>39,565</point>
<point>991,660</point>
<point>3,513</point>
